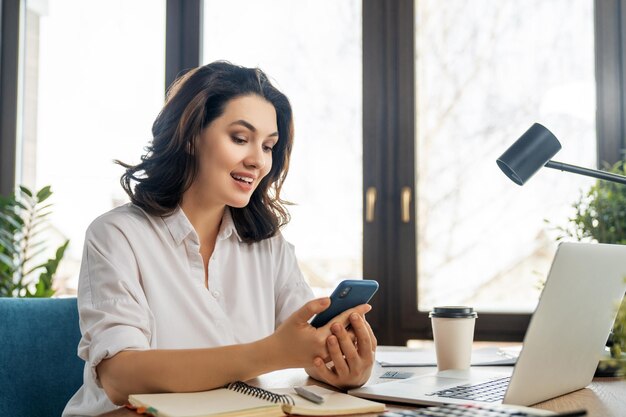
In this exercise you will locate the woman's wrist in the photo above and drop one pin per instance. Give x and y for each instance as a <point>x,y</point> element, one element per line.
<point>268,355</point>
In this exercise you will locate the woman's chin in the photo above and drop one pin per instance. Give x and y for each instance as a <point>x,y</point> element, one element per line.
<point>240,203</point>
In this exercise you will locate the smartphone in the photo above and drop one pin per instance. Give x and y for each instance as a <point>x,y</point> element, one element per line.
<point>349,293</point>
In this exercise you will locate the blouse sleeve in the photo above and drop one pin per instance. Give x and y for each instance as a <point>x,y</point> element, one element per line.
<point>292,290</point>
<point>114,313</point>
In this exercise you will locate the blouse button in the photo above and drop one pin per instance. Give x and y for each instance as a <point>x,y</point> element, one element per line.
<point>216,294</point>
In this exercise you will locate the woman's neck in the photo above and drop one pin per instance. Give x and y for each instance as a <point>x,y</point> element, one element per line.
<point>205,219</point>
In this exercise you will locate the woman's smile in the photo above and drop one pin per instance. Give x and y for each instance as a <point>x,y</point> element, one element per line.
<point>244,181</point>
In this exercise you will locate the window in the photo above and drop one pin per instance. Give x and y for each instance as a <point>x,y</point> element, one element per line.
<point>458,83</point>
<point>318,66</point>
<point>484,75</point>
<point>93,75</point>
<point>431,120</point>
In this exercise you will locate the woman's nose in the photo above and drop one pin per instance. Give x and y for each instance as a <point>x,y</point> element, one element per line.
<point>255,157</point>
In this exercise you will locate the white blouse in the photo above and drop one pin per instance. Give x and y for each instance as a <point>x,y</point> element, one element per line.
<point>142,287</point>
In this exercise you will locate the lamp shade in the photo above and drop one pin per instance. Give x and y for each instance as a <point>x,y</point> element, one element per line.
<point>529,153</point>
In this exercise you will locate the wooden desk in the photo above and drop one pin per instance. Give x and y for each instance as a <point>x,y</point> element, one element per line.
<point>605,397</point>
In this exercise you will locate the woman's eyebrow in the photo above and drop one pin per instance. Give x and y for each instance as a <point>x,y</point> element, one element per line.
<point>249,126</point>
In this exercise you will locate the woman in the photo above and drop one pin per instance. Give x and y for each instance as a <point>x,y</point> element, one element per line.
<point>191,286</point>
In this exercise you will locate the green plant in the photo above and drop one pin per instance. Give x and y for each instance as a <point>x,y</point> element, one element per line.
<point>23,218</point>
<point>600,215</point>
<point>601,212</point>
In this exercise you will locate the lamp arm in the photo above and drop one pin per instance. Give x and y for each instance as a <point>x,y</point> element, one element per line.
<point>603,175</point>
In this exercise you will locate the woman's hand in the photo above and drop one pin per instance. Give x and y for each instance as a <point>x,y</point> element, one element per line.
<point>352,362</point>
<point>297,344</point>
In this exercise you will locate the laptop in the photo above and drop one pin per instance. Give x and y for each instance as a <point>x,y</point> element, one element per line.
<point>562,346</point>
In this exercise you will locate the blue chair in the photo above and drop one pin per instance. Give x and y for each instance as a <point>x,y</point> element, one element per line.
<point>39,367</point>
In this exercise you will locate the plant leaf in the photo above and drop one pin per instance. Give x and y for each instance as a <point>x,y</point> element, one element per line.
<point>34,268</point>
<point>7,201</point>
<point>7,260</point>
<point>44,193</point>
<point>43,288</point>
<point>13,220</point>
<point>44,284</point>
<point>32,256</point>
<point>23,218</point>
<point>47,206</point>
<point>26,191</point>
<point>37,229</point>
<point>35,245</point>
<point>42,215</point>
<point>8,246</point>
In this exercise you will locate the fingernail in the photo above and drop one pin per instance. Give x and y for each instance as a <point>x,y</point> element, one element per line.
<point>335,328</point>
<point>318,362</point>
<point>354,316</point>
<point>332,340</point>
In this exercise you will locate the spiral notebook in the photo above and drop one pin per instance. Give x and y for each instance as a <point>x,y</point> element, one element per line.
<point>241,399</point>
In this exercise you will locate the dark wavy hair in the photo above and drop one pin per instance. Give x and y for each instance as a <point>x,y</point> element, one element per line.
<point>170,164</point>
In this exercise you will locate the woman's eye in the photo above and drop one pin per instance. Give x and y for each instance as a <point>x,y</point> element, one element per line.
<point>238,140</point>
<point>267,148</point>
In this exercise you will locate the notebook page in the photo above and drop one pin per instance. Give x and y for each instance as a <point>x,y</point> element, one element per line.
<point>204,404</point>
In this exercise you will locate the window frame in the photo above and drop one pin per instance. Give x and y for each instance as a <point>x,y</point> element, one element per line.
<point>610,40</point>
<point>10,23</point>
<point>183,37</point>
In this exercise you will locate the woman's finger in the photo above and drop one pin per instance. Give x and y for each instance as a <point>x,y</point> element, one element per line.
<point>351,334</point>
<point>324,373</point>
<point>344,318</point>
<point>350,352</point>
<point>302,315</point>
<point>364,342</point>
<point>336,355</point>
<point>372,336</point>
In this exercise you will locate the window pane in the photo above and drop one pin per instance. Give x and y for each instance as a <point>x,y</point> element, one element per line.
<point>485,73</point>
<point>319,68</point>
<point>93,82</point>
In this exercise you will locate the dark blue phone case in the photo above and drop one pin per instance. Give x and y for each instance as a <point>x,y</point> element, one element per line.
<point>349,293</point>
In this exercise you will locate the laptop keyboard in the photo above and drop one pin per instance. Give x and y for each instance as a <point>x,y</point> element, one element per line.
<point>489,391</point>
<point>455,410</point>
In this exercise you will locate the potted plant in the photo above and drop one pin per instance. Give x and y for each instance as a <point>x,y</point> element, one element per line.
<point>600,215</point>
<point>23,218</point>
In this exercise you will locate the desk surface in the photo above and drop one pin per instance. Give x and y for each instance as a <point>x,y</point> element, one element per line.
<point>604,397</point>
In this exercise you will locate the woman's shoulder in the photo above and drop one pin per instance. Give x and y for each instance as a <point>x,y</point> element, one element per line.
<point>124,217</point>
<point>276,245</point>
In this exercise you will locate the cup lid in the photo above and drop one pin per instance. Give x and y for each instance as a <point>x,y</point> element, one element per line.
<point>453,312</point>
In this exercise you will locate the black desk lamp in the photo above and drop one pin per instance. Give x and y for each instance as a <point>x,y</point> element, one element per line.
<point>533,150</point>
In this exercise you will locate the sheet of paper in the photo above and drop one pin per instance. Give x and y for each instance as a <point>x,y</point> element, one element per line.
<point>488,356</point>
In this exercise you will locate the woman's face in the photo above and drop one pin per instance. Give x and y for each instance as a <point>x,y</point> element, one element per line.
<point>235,151</point>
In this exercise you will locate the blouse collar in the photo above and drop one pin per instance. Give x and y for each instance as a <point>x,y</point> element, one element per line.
<point>180,227</point>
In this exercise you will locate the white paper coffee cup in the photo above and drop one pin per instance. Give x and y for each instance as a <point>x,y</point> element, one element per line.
<point>453,331</point>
